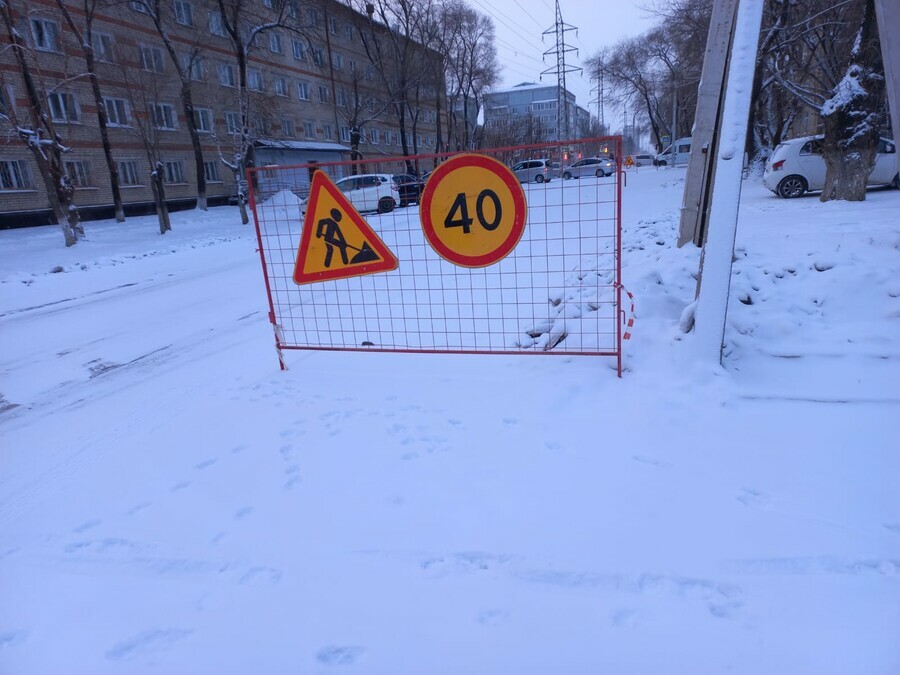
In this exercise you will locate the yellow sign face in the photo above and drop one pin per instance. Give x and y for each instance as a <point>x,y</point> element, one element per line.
<point>337,242</point>
<point>473,210</point>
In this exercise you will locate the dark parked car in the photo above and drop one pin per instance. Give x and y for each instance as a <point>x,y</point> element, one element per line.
<point>410,188</point>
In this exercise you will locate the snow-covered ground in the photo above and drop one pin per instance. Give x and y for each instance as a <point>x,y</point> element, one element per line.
<point>171,502</point>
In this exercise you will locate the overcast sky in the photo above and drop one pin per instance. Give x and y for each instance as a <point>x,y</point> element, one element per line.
<point>519,24</point>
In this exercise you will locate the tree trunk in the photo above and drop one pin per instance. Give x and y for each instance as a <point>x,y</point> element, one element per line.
<point>47,155</point>
<point>187,100</point>
<point>104,135</point>
<point>159,197</point>
<point>846,171</point>
<point>853,117</point>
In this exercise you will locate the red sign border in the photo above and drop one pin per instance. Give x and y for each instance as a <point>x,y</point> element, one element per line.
<point>388,262</point>
<point>515,188</point>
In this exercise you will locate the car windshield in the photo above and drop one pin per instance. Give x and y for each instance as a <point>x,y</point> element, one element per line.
<point>346,185</point>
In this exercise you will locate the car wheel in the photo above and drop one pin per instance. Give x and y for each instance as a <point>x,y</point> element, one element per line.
<point>896,182</point>
<point>792,186</point>
<point>567,175</point>
<point>661,162</point>
<point>539,178</point>
<point>600,173</point>
<point>386,205</point>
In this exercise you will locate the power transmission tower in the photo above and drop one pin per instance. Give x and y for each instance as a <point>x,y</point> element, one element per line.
<point>559,30</point>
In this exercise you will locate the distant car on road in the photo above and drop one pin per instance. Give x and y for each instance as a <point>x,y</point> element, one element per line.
<point>797,167</point>
<point>644,160</point>
<point>590,166</point>
<point>368,192</point>
<point>676,154</point>
<point>537,170</point>
<point>409,187</point>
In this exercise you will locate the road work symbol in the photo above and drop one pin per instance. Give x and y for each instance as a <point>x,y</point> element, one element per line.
<point>329,230</point>
<point>337,242</point>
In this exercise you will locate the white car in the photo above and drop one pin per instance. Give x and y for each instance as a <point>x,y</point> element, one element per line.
<point>368,192</point>
<point>590,166</point>
<point>797,166</point>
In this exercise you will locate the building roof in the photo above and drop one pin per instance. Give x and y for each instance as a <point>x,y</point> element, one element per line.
<point>301,145</point>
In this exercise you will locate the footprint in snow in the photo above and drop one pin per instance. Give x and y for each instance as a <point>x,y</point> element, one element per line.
<point>146,644</point>
<point>205,463</point>
<point>85,526</point>
<point>339,656</point>
<point>12,638</point>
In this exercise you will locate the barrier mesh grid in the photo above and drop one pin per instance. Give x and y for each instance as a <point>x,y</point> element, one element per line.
<point>557,292</point>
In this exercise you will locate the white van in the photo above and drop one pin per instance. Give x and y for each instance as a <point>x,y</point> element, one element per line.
<point>676,154</point>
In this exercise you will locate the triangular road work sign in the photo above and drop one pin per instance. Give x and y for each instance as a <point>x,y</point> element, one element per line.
<point>337,242</point>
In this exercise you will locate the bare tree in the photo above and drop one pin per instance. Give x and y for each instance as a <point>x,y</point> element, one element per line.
<point>244,23</point>
<point>474,64</point>
<point>147,113</point>
<point>81,24</point>
<point>39,134</point>
<point>186,65</point>
<point>393,42</point>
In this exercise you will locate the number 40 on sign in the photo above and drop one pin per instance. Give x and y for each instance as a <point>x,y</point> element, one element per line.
<point>473,227</point>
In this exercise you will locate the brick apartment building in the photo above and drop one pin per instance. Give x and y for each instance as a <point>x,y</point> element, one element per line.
<point>304,78</point>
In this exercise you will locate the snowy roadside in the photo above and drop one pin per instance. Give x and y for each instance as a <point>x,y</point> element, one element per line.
<point>171,502</point>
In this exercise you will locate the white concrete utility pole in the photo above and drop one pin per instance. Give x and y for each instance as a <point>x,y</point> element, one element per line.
<point>727,165</point>
<point>697,184</point>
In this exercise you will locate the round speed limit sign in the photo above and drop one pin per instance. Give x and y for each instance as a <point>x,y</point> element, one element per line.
<point>473,210</point>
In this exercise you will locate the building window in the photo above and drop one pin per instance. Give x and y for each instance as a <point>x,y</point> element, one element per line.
<point>299,50</point>
<point>64,107</point>
<point>184,13</point>
<point>373,136</point>
<point>211,171</point>
<point>138,6</point>
<point>128,173</point>
<point>345,134</point>
<point>173,172</point>
<point>342,98</point>
<point>275,42</point>
<point>116,112</point>
<point>14,175</point>
<point>388,137</point>
<point>194,66</point>
<point>309,129</point>
<point>281,86</point>
<point>269,4</point>
<point>287,128</point>
<point>337,60</point>
<point>227,75</point>
<point>255,80</point>
<point>79,172</point>
<point>323,93</point>
<point>102,44</point>
<point>203,120</point>
<point>217,24</point>
<point>259,126</point>
<point>152,59</point>
<point>164,116</point>
<point>328,131</point>
<point>318,56</point>
<point>303,91</point>
<point>332,25</point>
<point>233,122</point>
<point>314,17</point>
<point>349,32</point>
<point>351,64</point>
<point>45,34</point>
